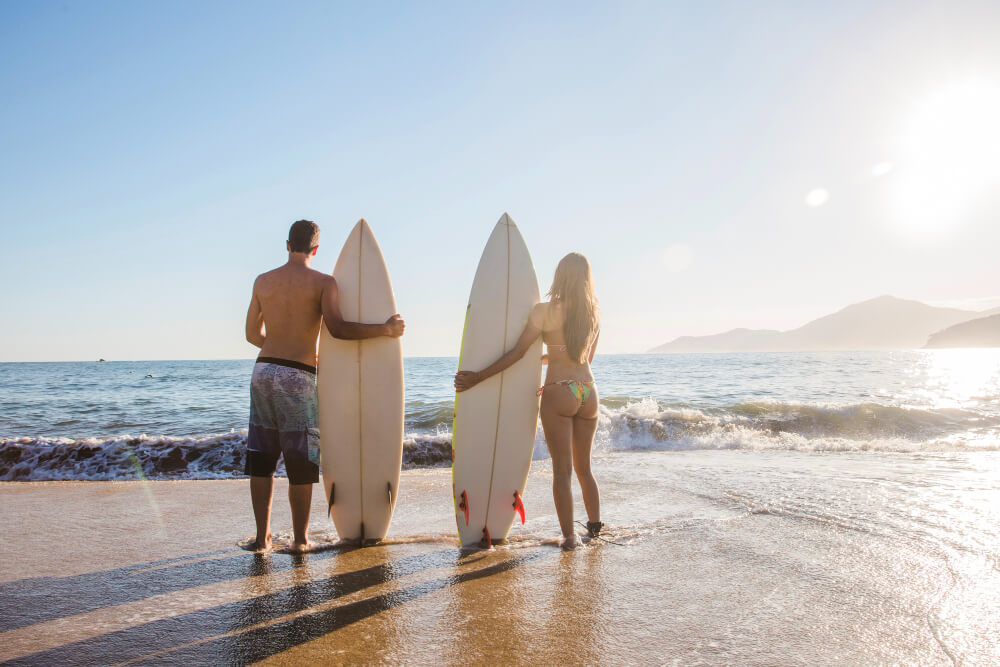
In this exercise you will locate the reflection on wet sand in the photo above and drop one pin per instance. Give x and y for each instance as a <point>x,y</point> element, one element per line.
<point>267,640</point>
<point>266,623</point>
<point>486,617</point>
<point>574,604</point>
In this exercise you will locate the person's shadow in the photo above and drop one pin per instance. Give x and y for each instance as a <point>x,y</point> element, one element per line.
<point>219,634</point>
<point>25,602</point>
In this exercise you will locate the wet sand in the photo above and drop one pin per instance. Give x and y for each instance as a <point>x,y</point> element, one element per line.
<point>97,572</point>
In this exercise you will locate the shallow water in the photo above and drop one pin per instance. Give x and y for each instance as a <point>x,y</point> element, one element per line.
<point>739,557</point>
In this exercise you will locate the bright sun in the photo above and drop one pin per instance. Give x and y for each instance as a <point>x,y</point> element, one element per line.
<point>950,156</point>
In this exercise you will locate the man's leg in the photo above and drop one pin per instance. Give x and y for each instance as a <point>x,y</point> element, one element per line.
<point>262,451</point>
<point>261,492</point>
<point>300,499</point>
<point>297,410</point>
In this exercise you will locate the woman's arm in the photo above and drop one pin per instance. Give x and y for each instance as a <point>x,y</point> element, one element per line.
<point>468,379</point>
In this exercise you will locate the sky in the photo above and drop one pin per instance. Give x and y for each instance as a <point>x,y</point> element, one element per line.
<point>721,165</point>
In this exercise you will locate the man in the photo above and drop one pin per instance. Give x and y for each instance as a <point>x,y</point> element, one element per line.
<point>287,309</point>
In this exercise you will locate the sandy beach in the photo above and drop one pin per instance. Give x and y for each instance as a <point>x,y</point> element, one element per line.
<point>114,572</point>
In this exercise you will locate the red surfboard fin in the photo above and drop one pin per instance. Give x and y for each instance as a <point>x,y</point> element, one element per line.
<point>519,505</point>
<point>464,506</point>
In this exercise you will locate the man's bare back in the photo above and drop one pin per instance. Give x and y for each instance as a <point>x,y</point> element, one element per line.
<point>288,302</point>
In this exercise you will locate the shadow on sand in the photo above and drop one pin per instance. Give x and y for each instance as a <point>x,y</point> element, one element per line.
<point>28,601</point>
<point>219,634</point>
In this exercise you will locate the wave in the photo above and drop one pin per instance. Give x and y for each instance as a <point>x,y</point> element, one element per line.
<point>421,415</point>
<point>773,425</point>
<point>213,456</point>
<point>624,425</point>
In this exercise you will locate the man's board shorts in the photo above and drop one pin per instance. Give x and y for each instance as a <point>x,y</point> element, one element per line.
<point>283,420</point>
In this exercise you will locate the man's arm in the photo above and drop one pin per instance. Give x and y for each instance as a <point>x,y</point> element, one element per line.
<point>340,328</point>
<point>255,320</point>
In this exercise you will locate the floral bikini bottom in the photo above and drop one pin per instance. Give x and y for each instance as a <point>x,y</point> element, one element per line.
<point>580,388</point>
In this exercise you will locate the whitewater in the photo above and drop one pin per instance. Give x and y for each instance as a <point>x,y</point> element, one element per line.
<point>187,419</point>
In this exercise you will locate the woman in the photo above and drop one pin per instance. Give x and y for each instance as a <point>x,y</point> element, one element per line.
<point>568,324</point>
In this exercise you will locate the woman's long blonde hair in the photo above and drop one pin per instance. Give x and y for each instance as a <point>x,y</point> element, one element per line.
<point>573,287</point>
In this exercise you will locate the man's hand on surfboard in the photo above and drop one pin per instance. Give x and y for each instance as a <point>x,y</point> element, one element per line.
<point>394,326</point>
<point>466,380</point>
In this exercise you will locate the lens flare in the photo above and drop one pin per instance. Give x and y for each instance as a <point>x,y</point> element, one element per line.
<point>817,198</point>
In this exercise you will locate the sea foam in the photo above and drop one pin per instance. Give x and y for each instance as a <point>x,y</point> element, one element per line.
<point>623,425</point>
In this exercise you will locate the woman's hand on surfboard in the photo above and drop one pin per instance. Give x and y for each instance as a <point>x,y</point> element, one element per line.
<point>394,326</point>
<point>466,380</point>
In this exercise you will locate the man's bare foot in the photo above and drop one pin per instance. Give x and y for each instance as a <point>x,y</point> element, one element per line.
<point>570,543</point>
<point>300,547</point>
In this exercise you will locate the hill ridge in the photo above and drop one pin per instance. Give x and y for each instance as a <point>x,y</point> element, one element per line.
<point>883,322</point>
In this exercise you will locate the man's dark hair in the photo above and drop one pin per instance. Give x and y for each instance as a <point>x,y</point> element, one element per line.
<point>303,236</point>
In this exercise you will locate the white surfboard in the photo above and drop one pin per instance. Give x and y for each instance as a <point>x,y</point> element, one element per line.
<point>360,386</point>
<point>493,434</point>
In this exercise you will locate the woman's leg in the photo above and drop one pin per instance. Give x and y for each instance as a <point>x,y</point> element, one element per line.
<point>583,442</point>
<point>558,427</point>
<point>584,428</point>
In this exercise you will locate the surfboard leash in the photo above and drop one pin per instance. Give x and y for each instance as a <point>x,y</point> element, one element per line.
<point>598,537</point>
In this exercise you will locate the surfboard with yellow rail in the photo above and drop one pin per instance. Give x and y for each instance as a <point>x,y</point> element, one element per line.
<point>493,433</point>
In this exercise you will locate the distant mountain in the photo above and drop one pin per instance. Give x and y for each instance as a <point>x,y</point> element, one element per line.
<point>877,324</point>
<point>750,340</point>
<point>980,332</point>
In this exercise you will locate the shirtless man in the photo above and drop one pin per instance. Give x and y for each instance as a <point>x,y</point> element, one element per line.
<point>288,306</point>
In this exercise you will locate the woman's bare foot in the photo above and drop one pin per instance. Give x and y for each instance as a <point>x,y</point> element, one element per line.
<point>259,545</point>
<point>570,543</point>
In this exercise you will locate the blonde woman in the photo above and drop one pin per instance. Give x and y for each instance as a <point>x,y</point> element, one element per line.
<point>569,325</point>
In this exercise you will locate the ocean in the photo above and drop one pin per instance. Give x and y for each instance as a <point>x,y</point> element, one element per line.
<point>762,509</point>
<point>187,419</point>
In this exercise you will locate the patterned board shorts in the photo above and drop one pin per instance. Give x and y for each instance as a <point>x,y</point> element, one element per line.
<point>283,421</point>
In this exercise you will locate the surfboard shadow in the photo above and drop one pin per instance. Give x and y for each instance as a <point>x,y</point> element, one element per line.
<point>25,602</point>
<point>207,636</point>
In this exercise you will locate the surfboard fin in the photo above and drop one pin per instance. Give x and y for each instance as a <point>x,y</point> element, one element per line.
<point>362,533</point>
<point>519,505</point>
<point>486,541</point>
<point>388,488</point>
<point>464,506</point>
<point>329,507</point>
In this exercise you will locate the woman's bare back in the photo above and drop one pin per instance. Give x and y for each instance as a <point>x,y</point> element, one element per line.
<point>561,366</point>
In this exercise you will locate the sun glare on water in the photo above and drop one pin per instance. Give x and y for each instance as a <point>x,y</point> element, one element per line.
<point>957,378</point>
<point>951,156</point>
